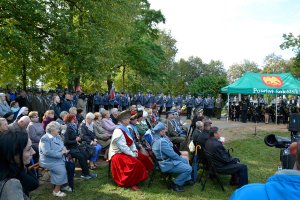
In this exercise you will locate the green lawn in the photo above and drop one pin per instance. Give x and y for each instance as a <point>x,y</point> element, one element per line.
<point>262,162</point>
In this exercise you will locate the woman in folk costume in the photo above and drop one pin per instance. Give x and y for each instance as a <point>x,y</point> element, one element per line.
<point>126,167</point>
<point>143,154</point>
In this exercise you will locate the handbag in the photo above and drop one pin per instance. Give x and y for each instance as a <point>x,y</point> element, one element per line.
<point>87,149</point>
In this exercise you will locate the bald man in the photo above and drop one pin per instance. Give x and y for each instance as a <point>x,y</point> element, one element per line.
<point>19,125</point>
<point>284,184</point>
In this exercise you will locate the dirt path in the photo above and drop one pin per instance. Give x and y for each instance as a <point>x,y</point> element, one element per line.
<point>237,130</point>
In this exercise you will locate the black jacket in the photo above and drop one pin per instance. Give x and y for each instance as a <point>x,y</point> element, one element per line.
<point>86,134</point>
<point>70,136</point>
<point>200,138</point>
<point>220,157</point>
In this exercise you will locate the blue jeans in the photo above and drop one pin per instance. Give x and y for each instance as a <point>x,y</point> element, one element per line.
<point>95,156</point>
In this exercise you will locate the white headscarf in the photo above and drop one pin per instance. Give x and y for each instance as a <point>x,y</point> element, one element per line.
<point>21,111</point>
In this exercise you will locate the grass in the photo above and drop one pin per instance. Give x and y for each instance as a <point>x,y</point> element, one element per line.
<point>262,162</point>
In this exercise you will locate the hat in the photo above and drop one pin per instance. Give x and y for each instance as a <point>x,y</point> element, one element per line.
<point>7,115</point>
<point>2,94</point>
<point>160,126</point>
<point>124,115</point>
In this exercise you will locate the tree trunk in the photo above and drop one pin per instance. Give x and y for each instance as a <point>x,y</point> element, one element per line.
<point>123,78</point>
<point>109,82</point>
<point>24,82</point>
<point>76,82</point>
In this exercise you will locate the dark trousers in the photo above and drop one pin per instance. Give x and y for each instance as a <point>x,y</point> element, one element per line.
<point>96,108</point>
<point>242,174</point>
<point>76,153</point>
<point>244,116</point>
<point>167,110</point>
<point>189,112</point>
<point>160,111</point>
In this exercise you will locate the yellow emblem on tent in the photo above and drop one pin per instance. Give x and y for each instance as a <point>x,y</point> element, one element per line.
<point>272,81</point>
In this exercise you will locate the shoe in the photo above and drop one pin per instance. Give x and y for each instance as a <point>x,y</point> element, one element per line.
<point>135,188</point>
<point>93,175</point>
<point>86,176</point>
<point>189,183</point>
<point>59,194</point>
<point>66,189</point>
<point>177,188</point>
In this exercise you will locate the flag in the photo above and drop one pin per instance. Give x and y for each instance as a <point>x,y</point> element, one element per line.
<point>112,93</point>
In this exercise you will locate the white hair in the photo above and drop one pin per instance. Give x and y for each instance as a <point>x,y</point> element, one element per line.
<point>52,126</point>
<point>113,110</point>
<point>90,116</point>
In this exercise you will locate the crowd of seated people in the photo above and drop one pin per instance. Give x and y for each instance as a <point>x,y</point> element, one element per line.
<point>126,139</point>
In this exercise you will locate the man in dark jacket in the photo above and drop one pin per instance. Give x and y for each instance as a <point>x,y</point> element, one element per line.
<point>223,162</point>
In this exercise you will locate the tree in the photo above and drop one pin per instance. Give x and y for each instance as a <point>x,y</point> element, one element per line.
<point>210,84</point>
<point>291,41</point>
<point>235,71</point>
<point>25,29</point>
<point>275,64</point>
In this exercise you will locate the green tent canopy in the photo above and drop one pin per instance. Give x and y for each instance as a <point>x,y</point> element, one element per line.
<point>255,83</point>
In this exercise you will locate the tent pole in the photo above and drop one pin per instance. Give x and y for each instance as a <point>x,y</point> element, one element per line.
<point>276,109</point>
<point>228,94</point>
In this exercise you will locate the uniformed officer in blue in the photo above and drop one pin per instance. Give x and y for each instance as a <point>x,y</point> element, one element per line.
<point>169,161</point>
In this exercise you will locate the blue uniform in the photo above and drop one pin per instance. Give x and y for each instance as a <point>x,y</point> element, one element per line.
<point>169,161</point>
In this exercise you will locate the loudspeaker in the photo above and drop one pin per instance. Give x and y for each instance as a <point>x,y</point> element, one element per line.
<point>294,124</point>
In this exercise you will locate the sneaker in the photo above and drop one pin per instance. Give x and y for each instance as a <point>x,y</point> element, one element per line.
<point>93,175</point>
<point>66,189</point>
<point>59,194</point>
<point>85,176</point>
<point>89,176</point>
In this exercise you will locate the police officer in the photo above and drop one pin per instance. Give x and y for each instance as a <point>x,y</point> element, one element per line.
<point>169,161</point>
<point>159,100</point>
<point>189,105</point>
<point>218,106</point>
<point>169,103</point>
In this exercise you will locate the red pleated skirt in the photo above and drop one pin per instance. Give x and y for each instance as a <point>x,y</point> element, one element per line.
<point>146,161</point>
<point>127,171</point>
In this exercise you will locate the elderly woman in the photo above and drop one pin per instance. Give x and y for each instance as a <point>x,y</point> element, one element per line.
<point>22,112</point>
<point>52,151</point>
<point>4,107</point>
<point>35,131</point>
<point>126,167</point>
<point>107,123</point>
<point>72,140</point>
<point>88,135</point>
<point>3,125</point>
<point>103,137</point>
<point>113,115</point>
<point>168,160</point>
<point>47,118</point>
<point>16,153</point>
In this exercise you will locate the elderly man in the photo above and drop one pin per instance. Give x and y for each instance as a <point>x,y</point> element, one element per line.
<point>200,137</point>
<point>20,125</point>
<point>283,185</point>
<point>223,162</point>
<point>175,136</point>
<point>3,125</point>
<point>168,160</point>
